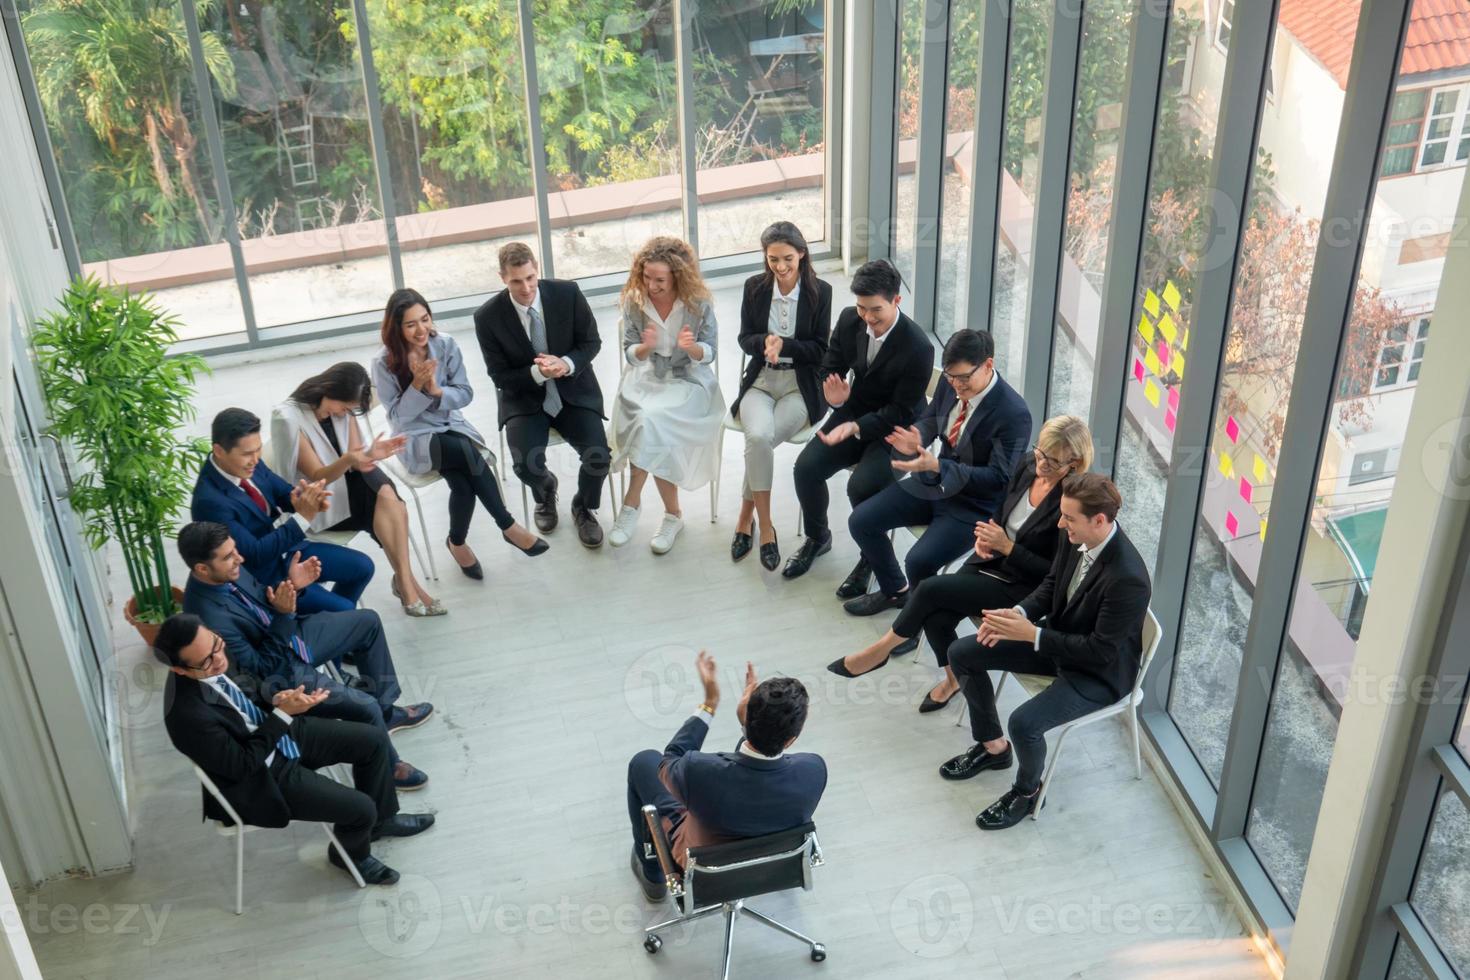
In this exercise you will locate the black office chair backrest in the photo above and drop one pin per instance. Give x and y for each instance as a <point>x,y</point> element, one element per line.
<point>746,868</point>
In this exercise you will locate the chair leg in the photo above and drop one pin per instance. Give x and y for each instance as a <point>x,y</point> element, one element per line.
<point>1046,773</point>
<point>332,841</point>
<point>778,926</point>
<point>424,529</point>
<point>239,870</point>
<point>525,506</point>
<point>681,919</point>
<point>714,485</point>
<point>1137,751</point>
<point>964,710</point>
<point>732,911</point>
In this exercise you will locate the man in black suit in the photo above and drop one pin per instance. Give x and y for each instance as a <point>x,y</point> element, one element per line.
<point>263,754</point>
<point>269,639</point>
<point>982,426</point>
<point>539,339</point>
<point>714,797</point>
<point>890,359</point>
<point>1092,602</point>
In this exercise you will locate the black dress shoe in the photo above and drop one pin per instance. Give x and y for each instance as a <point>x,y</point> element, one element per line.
<point>472,571</point>
<point>770,556</point>
<point>545,513</point>
<point>907,646</point>
<point>373,871</point>
<point>932,705</point>
<point>404,825</point>
<point>538,547</point>
<point>811,549</point>
<point>974,762</point>
<point>1007,811</point>
<point>589,532</point>
<point>654,891</point>
<point>403,717</point>
<point>840,669</point>
<point>872,603</point>
<point>857,580</point>
<point>741,544</point>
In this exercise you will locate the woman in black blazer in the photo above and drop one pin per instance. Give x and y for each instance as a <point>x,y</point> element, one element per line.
<point>785,317</point>
<point>1011,557</point>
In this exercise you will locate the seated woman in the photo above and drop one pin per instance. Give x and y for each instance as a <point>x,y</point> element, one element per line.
<point>1011,557</point>
<point>420,378</point>
<point>667,417</point>
<point>315,436</point>
<point>785,318</point>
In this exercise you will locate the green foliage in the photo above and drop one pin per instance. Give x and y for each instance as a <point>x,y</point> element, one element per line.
<point>117,397</point>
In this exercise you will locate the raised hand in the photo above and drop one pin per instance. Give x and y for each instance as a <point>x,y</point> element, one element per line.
<point>840,433</point>
<point>282,598</point>
<point>688,345</point>
<point>302,573</point>
<point>310,499</point>
<point>709,677</point>
<point>750,684</point>
<point>836,390</point>
<point>992,537</point>
<point>925,462</point>
<point>423,373</point>
<point>383,447</point>
<point>905,440</point>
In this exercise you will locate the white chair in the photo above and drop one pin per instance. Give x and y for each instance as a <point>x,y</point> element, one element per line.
<point>238,829</point>
<point>377,421</point>
<point>553,438</point>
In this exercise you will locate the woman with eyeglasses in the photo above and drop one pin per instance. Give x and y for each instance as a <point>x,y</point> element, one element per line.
<point>1012,555</point>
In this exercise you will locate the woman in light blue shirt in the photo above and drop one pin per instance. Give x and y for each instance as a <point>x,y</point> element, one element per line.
<point>421,380</point>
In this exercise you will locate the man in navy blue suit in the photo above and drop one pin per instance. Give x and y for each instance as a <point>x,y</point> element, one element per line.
<point>268,518</point>
<point>714,797</point>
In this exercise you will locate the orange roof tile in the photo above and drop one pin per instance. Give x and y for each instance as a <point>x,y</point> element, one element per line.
<point>1438,39</point>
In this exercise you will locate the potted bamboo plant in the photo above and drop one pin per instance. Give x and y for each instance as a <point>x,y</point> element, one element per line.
<point>117,397</point>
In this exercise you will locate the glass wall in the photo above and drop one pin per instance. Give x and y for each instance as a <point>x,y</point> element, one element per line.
<point>906,154</point>
<point>952,295</point>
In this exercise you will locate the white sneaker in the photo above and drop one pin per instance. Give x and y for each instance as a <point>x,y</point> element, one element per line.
<point>622,529</point>
<point>663,541</point>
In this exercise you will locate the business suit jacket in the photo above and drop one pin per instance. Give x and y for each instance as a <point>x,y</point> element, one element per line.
<point>890,391</point>
<point>1096,639</point>
<point>206,728</point>
<point>263,546</point>
<point>1037,540</point>
<point>975,473</point>
<point>731,796</point>
<point>253,648</point>
<point>806,349</point>
<point>571,331</point>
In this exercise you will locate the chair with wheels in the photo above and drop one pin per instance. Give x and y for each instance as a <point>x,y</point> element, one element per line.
<point>722,877</point>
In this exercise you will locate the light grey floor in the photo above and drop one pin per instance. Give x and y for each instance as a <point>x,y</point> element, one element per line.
<point>540,702</point>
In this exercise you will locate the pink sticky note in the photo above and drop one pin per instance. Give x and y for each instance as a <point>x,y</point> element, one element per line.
<point>1138,369</point>
<point>1232,429</point>
<point>1170,419</point>
<point>1231,524</point>
<point>1174,399</point>
<point>1164,352</point>
<point>1245,489</point>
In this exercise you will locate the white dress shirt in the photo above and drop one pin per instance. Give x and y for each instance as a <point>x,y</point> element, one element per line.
<point>1018,514</point>
<point>1091,552</point>
<point>222,684</point>
<point>783,314</point>
<point>524,312</point>
<point>875,341</point>
<point>285,516</point>
<point>973,401</point>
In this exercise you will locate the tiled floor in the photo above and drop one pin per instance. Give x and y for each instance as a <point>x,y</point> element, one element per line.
<point>547,676</point>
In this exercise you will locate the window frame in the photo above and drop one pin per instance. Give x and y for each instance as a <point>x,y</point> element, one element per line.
<point>1459,130</point>
<point>1416,338</point>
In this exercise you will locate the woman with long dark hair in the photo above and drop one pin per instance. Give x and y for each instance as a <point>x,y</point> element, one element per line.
<point>315,435</point>
<point>420,377</point>
<point>785,319</point>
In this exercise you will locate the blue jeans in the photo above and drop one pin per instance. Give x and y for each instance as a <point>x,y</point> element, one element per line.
<point>897,505</point>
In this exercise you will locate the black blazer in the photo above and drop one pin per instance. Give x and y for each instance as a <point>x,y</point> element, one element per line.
<point>571,331</point>
<point>1036,541</point>
<point>806,349</point>
<point>1096,639</point>
<point>264,652</point>
<point>205,726</point>
<point>975,473</point>
<point>890,391</point>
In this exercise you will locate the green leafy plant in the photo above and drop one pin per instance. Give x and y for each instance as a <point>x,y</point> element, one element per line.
<point>119,399</point>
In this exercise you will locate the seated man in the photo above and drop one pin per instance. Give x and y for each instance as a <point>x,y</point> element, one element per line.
<point>267,638</point>
<point>268,518</point>
<point>714,797</point>
<point>263,754</point>
<point>1093,603</point>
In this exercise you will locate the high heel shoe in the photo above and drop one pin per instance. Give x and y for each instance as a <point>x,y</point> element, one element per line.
<point>471,571</point>
<point>770,555</point>
<point>740,545</point>
<point>539,548</point>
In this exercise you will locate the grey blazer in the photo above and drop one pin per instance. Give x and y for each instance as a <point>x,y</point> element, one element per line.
<point>700,319</point>
<point>414,414</point>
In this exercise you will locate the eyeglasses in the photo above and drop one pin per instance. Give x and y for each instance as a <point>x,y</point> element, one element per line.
<point>961,378</point>
<point>1052,461</point>
<point>215,651</point>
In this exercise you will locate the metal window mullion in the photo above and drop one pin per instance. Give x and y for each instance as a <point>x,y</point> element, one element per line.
<point>1456,773</point>
<point>1147,59</point>
<point>1351,184</point>
<point>929,163</point>
<point>987,143</point>
<point>834,53</point>
<point>536,138</point>
<point>883,129</point>
<point>216,144</point>
<point>684,11</point>
<point>1412,931</point>
<point>378,137</point>
<point>1049,215</point>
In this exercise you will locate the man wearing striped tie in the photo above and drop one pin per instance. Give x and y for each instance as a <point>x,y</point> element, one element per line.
<point>263,755</point>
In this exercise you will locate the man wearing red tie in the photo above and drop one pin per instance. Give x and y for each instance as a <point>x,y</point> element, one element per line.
<point>268,518</point>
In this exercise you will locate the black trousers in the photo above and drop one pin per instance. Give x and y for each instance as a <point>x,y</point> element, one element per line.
<point>1028,724</point>
<point>939,604</point>
<point>818,462</point>
<point>458,460</point>
<point>359,632</point>
<point>526,436</point>
<point>352,810</point>
<point>645,786</point>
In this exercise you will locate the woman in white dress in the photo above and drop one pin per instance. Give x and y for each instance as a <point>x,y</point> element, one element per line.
<point>668,414</point>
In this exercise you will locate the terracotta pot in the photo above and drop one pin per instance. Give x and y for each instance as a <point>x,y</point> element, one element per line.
<point>148,631</point>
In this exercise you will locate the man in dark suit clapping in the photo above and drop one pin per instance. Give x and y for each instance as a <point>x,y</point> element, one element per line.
<point>1083,625</point>
<point>539,339</point>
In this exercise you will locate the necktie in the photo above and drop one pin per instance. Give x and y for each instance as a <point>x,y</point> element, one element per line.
<point>298,645</point>
<point>959,423</point>
<point>552,402</point>
<point>255,497</point>
<point>285,743</point>
<point>1079,575</point>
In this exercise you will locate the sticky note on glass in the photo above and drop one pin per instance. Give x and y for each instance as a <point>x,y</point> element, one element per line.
<point>1258,467</point>
<point>1170,419</point>
<point>1227,466</point>
<point>1138,369</point>
<point>1184,342</point>
<point>1263,529</point>
<point>1178,365</point>
<point>1171,295</point>
<point>1151,360</point>
<point>1231,524</point>
<point>1174,399</point>
<point>1245,490</point>
<point>1145,328</point>
<point>1168,328</point>
<point>1151,302</point>
<point>1232,429</point>
<point>1164,354</point>
<point>1151,392</point>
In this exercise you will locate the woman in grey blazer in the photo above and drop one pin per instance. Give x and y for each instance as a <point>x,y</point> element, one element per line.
<point>667,417</point>
<point>421,380</point>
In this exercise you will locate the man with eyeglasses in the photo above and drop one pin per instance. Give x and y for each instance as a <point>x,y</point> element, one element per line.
<point>263,756</point>
<point>982,426</point>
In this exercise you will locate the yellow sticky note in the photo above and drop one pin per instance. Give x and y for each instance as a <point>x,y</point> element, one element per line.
<point>1145,328</point>
<point>1151,392</point>
<point>1258,467</point>
<point>1263,529</point>
<point>1171,295</point>
<point>1167,328</point>
<point>1151,361</point>
<point>1227,466</point>
<point>1177,366</point>
<point>1151,302</point>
